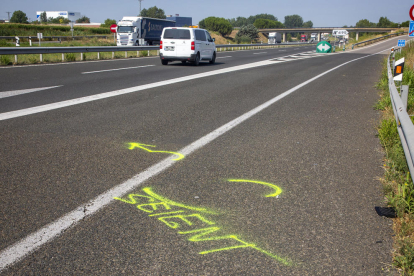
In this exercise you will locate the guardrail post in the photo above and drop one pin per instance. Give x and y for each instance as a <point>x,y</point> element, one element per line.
<point>404,95</point>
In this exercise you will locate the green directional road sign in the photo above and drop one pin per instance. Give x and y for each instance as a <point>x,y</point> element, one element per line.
<point>323,47</point>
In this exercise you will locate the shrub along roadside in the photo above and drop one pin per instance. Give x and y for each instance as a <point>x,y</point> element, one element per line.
<point>398,186</point>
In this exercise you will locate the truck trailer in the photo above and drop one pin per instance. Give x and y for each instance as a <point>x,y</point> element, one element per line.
<point>274,38</point>
<point>140,31</point>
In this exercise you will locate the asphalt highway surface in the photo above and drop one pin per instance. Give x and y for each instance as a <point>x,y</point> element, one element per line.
<point>265,163</point>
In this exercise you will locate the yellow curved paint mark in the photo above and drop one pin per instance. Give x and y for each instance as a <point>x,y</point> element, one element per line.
<point>277,192</point>
<point>149,192</point>
<point>143,146</point>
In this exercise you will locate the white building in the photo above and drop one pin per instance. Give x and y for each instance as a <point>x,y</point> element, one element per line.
<point>72,16</point>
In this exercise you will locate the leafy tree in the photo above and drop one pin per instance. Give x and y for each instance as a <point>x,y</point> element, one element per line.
<point>239,21</point>
<point>83,19</point>
<point>405,24</point>
<point>153,12</point>
<point>19,17</point>
<point>108,22</point>
<point>253,18</point>
<point>364,23</point>
<point>307,24</point>
<point>292,21</point>
<point>43,17</point>
<point>384,22</point>
<point>243,21</point>
<point>217,24</point>
<point>267,24</point>
<point>248,31</point>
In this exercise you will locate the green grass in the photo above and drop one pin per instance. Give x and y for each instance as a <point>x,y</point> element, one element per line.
<point>398,186</point>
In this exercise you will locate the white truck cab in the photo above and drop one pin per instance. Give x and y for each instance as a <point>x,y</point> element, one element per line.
<point>187,44</point>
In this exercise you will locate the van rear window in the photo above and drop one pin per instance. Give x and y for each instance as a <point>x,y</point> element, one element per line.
<point>177,34</point>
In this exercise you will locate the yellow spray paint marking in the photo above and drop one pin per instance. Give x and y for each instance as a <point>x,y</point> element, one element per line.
<point>149,192</point>
<point>143,146</point>
<point>203,232</point>
<point>277,192</point>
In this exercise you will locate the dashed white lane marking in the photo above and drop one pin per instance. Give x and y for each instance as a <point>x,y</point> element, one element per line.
<point>29,244</point>
<point>117,69</point>
<point>224,57</point>
<point>24,91</point>
<point>260,53</point>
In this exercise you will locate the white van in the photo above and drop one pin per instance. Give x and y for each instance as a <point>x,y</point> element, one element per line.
<point>187,44</point>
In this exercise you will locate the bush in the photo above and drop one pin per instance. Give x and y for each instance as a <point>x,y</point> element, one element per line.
<point>248,31</point>
<point>243,39</point>
<point>5,60</point>
<point>70,57</point>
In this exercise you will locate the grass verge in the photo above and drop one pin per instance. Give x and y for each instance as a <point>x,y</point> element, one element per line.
<point>398,186</point>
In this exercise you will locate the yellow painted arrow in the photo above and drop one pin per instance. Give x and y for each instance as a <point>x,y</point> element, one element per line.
<point>143,146</point>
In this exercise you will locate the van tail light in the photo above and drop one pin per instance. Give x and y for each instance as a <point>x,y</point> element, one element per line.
<point>161,45</point>
<point>192,45</point>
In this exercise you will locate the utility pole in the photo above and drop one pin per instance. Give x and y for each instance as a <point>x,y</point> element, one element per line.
<point>140,6</point>
<point>8,15</point>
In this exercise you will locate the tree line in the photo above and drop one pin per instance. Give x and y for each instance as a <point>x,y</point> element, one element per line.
<point>21,17</point>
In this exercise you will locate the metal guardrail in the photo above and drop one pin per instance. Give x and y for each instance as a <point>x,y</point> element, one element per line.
<point>378,38</point>
<point>57,37</point>
<point>91,49</point>
<point>405,126</point>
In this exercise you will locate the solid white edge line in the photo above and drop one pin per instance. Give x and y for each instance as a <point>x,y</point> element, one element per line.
<point>6,94</point>
<point>32,242</point>
<point>117,69</point>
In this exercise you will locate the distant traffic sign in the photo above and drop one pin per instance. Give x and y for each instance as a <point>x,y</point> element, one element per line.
<point>323,47</point>
<point>401,43</point>
<point>411,29</point>
<point>339,32</point>
<point>412,12</point>
<point>113,28</point>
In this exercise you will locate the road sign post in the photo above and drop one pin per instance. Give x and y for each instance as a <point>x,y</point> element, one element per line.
<point>71,23</point>
<point>411,29</point>
<point>412,12</point>
<point>401,43</point>
<point>113,30</point>
<point>39,36</point>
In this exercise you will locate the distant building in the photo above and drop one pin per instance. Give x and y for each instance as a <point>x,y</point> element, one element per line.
<point>181,21</point>
<point>72,16</point>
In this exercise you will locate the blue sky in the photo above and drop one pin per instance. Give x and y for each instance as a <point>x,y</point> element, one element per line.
<point>322,13</point>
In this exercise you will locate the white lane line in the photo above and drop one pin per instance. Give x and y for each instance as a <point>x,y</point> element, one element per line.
<point>260,53</point>
<point>282,50</point>
<point>24,91</point>
<point>224,57</point>
<point>47,107</point>
<point>117,69</point>
<point>29,244</point>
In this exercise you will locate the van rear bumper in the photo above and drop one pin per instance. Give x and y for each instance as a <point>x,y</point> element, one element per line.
<point>175,58</point>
